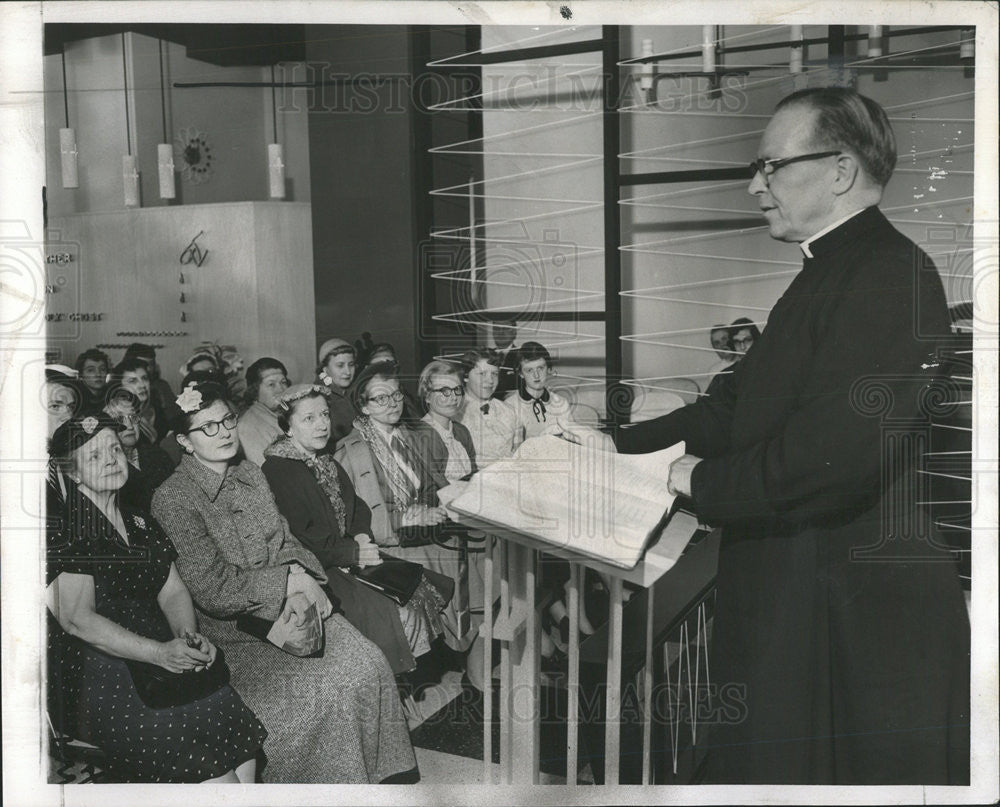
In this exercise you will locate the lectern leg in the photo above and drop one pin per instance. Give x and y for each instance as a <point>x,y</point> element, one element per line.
<point>522,696</point>
<point>612,725</point>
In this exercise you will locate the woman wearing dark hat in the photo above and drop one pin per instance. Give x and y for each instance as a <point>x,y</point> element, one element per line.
<point>116,595</point>
<point>315,495</point>
<point>337,365</point>
<point>334,718</point>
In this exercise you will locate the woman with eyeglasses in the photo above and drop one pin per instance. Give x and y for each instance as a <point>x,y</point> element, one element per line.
<point>335,718</point>
<point>149,466</point>
<point>391,471</point>
<point>114,596</point>
<point>744,333</point>
<point>445,443</point>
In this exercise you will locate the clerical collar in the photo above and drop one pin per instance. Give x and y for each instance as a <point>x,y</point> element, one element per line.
<point>804,245</point>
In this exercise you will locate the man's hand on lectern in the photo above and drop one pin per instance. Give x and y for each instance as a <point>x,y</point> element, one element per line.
<point>679,481</point>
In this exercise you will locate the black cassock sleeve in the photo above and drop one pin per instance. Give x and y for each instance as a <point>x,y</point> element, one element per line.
<point>705,426</point>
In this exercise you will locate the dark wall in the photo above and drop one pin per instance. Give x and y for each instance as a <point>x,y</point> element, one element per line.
<point>361,175</point>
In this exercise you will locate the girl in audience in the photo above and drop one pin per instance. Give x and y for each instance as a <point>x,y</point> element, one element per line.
<point>116,594</point>
<point>492,423</point>
<point>159,388</point>
<point>92,366</point>
<point>337,363</point>
<point>332,718</point>
<point>389,472</point>
<point>148,465</point>
<point>131,374</point>
<point>317,498</point>
<point>541,411</point>
<point>267,379</point>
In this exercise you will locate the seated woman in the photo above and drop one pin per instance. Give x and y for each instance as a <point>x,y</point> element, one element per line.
<point>744,333</point>
<point>160,389</point>
<point>385,352</point>
<point>131,374</point>
<point>337,364</point>
<point>333,718</point>
<point>541,411</point>
<point>63,397</point>
<point>93,366</point>
<point>492,423</point>
<point>116,594</point>
<point>267,379</point>
<point>384,460</point>
<point>317,498</point>
<point>445,444</point>
<point>149,466</point>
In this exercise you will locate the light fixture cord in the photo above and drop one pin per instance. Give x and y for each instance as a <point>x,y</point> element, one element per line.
<point>128,134</point>
<point>65,90</point>
<point>163,93</point>
<point>274,109</point>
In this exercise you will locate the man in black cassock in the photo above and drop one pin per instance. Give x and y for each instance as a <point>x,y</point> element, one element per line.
<point>838,617</point>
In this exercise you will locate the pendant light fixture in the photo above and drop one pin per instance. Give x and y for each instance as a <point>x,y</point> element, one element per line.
<point>67,140</point>
<point>796,52</point>
<point>164,149</point>
<point>275,157</point>
<point>130,174</point>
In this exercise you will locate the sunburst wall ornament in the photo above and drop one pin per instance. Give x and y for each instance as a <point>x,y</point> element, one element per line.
<point>194,155</point>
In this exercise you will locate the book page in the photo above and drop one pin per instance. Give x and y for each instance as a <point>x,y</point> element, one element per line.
<point>593,501</point>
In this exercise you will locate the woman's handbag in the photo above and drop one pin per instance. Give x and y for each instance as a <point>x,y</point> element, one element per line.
<point>161,689</point>
<point>395,578</point>
<point>440,534</point>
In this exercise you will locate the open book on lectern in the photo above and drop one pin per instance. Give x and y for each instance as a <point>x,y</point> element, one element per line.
<point>597,503</point>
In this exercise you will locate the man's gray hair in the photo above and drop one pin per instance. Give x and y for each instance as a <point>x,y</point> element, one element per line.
<point>847,120</point>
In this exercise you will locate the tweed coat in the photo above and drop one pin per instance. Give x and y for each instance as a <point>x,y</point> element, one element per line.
<point>336,718</point>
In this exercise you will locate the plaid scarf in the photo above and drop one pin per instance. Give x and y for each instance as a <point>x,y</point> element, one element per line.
<point>322,467</point>
<point>403,490</point>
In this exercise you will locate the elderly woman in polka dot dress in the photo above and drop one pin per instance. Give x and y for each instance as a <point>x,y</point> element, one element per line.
<point>335,718</point>
<point>115,594</point>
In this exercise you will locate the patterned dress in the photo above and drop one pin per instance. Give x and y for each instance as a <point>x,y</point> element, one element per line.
<point>95,694</point>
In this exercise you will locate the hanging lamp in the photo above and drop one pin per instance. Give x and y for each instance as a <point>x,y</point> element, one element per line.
<point>67,141</point>
<point>165,149</point>
<point>130,173</point>
<point>275,156</point>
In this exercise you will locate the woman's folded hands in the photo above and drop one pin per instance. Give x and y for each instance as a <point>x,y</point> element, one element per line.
<point>301,582</point>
